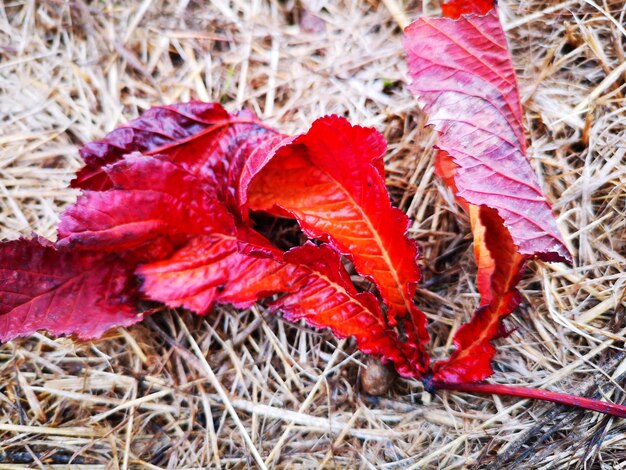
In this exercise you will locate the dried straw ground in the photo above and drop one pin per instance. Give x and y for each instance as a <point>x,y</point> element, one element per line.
<point>240,387</point>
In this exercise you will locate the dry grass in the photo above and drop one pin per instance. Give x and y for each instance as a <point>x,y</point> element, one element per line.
<point>260,388</point>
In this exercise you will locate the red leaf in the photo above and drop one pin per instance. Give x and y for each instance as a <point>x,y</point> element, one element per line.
<point>145,204</point>
<point>158,127</point>
<point>173,207</point>
<point>332,181</point>
<point>499,271</point>
<point>456,8</point>
<point>200,137</point>
<point>209,270</point>
<point>83,293</point>
<point>150,197</point>
<point>327,298</point>
<point>463,74</point>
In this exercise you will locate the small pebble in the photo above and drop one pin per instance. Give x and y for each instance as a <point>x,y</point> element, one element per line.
<point>377,378</point>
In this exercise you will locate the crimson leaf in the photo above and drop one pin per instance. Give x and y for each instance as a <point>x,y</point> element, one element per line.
<point>331,180</point>
<point>327,298</point>
<point>63,292</point>
<point>210,269</point>
<point>148,197</point>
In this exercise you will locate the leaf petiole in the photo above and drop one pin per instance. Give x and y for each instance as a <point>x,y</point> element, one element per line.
<point>535,394</point>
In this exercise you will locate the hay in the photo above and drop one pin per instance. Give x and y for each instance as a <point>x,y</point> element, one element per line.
<point>222,391</point>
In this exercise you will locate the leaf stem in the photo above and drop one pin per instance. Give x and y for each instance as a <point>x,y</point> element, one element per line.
<point>535,394</point>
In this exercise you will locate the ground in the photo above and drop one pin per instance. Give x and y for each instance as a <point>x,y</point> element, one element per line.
<point>256,386</point>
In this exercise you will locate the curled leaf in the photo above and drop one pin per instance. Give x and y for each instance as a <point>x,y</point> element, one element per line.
<point>499,271</point>
<point>148,197</point>
<point>331,180</point>
<point>462,72</point>
<point>210,269</point>
<point>326,298</point>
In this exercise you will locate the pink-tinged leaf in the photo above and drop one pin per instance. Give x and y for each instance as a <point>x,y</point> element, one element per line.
<point>82,293</point>
<point>149,197</point>
<point>326,298</point>
<point>463,74</point>
<point>331,180</point>
<point>210,270</point>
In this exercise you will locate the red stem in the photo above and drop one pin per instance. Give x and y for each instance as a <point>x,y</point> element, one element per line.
<point>535,394</point>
